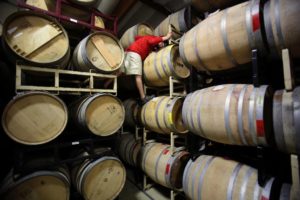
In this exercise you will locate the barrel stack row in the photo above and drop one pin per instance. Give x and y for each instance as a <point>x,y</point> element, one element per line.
<point>224,39</point>
<point>39,117</point>
<point>100,51</point>
<point>197,177</point>
<point>240,114</point>
<point>92,178</point>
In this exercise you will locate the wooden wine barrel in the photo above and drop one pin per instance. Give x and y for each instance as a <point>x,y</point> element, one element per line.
<point>181,21</point>
<point>41,184</point>
<point>100,114</point>
<point>128,148</point>
<point>36,38</point>
<point>101,178</point>
<point>90,3</point>
<point>100,51</point>
<point>231,114</point>
<point>285,192</point>
<point>224,39</point>
<point>163,115</point>
<point>211,5</point>
<point>230,180</point>
<point>34,118</point>
<point>159,66</point>
<point>140,29</point>
<point>132,113</point>
<point>158,163</point>
<point>280,17</point>
<point>286,116</point>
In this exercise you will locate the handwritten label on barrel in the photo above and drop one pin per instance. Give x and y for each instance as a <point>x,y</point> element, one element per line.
<point>264,198</point>
<point>260,127</point>
<point>165,151</point>
<point>168,168</point>
<point>255,21</point>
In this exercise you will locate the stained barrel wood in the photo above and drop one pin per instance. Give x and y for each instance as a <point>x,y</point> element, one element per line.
<point>41,184</point>
<point>286,115</point>
<point>235,180</point>
<point>128,148</point>
<point>231,114</point>
<point>101,178</point>
<point>36,38</point>
<point>181,21</point>
<point>100,51</point>
<point>132,113</point>
<point>100,114</point>
<point>34,118</point>
<point>224,39</point>
<point>280,17</point>
<point>157,162</point>
<point>140,29</point>
<point>163,115</point>
<point>211,5</point>
<point>159,66</point>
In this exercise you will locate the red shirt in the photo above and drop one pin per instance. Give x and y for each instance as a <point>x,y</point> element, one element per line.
<point>143,45</point>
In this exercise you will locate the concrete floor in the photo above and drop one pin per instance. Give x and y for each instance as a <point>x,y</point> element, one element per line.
<point>133,189</point>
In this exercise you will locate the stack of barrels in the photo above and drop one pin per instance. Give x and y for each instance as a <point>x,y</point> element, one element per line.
<point>38,117</point>
<point>92,178</point>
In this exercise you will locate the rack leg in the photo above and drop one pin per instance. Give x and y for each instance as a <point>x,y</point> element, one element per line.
<point>144,136</point>
<point>295,193</point>
<point>146,185</point>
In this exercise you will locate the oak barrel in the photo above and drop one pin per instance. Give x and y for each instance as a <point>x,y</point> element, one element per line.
<point>132,113</point>
<point>181,20</point>
<point>210,177</point>
<point>128,148</point>
<point>224,39</point>
<point>41,184</point>
<point>100,114</point>
<point>159,66</point>
<point>163,115</point>
<point>280,17</point>
<point>100,51</point>
<point>99,178</point>
<point>36,38</point>
<point>34,118</point>
<point>157,162</point>
<point>286,116</point>
<point>236,114</point>
<point>140,29</point>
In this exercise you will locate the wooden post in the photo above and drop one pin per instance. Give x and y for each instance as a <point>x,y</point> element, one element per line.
<point>295,191</point>
<point>287,70</point>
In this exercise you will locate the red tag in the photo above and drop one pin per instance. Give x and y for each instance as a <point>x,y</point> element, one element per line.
<point>165,151</point>
<point>264,198</point>
<point>167,168</point>
<point>260,126</point>
<point>255,22</point>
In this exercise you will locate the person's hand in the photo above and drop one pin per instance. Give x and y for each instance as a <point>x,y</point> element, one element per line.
<point>168,36</point>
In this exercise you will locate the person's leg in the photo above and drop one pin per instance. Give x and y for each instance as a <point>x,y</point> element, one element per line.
<point>140,86</point>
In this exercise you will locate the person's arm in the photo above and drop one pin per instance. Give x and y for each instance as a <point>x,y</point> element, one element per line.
<point>167,37</point>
